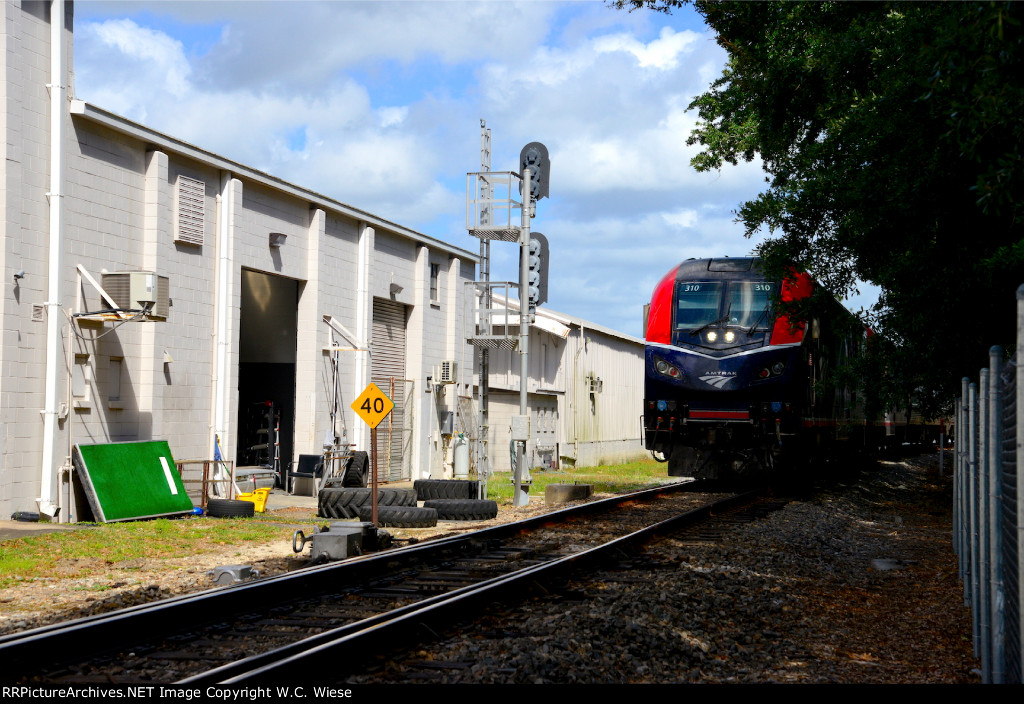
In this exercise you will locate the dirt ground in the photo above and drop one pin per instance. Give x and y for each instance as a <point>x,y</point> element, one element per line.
<point>63,596</point>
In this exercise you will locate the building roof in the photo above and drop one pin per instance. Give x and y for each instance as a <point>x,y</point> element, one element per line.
<point>568,321</point>
<point>172,144</point>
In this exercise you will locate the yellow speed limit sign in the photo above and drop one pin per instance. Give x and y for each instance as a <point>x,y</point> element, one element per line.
<point>373,405</point>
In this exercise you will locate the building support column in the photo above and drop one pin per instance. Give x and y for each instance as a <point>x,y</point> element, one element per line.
<point>364,313</point>
<point>223,313</point>
<point>309,354</point>
<point>425,444</point>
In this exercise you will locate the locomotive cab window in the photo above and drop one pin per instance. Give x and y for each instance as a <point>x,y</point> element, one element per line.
<point>698,303</point>
<point>749,303</point>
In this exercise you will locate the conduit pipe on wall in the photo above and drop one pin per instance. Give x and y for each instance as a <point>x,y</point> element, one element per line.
<point>58,93</point>
<point>576,394</point>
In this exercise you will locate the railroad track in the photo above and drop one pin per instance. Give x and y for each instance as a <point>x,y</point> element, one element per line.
<point>265,630</point>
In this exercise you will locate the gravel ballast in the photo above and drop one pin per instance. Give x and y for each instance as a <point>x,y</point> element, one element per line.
<point>794,597</point>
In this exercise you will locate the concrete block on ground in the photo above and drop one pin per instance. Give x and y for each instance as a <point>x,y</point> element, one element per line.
<point>561,493</point>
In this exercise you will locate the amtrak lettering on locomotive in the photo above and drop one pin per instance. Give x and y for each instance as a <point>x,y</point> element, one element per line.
<point>730,384</point>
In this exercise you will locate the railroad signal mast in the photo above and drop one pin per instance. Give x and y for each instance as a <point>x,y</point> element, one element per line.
<point>490,203</point>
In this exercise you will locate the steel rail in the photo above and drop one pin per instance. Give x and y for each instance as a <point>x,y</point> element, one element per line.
<point>58,643</point>
<point>352,642</point>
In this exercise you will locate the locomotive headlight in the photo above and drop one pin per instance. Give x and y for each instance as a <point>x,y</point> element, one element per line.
<point>777,368</point>
<point>667,369</point>
<point>712,336</point>
<point>730,336</point>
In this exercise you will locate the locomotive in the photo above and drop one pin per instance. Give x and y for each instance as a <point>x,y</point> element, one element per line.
<point>734,388</point>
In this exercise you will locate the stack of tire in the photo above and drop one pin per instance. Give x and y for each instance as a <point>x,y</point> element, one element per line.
<point>350,502</point>
<point>455,499</point>
<point>395,507</point>
<point>443,499</point>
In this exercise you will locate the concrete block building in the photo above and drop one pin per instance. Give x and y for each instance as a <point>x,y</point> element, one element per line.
<point>248,270</point>
<point>155,290</point>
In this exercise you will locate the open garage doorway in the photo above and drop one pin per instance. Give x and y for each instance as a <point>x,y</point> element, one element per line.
<point>266,372</point>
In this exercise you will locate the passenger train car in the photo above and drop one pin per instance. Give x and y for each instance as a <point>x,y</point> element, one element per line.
<point>734,387</point>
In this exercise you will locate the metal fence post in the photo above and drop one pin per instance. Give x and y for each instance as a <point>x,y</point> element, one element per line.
<point>984,535</point>
<point>956,485</point>
<point>972,508</point>
<point>963,437</point>
<point>1020,463</point>
<point>995,590</point>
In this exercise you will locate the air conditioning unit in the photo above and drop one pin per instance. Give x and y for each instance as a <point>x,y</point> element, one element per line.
<point>138,290</point>
<point>448,373</point>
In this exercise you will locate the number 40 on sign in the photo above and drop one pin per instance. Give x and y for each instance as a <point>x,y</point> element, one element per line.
<point>373,405</point>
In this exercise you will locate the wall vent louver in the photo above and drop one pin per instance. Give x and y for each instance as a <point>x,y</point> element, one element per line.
<point>191,211</point>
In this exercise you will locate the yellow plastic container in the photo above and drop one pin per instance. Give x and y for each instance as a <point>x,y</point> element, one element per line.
<point>258,497</point>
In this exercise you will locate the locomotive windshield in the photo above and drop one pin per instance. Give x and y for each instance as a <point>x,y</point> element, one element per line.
<point>748,303</point>
<point>698,303</point>
<point>706,303</point>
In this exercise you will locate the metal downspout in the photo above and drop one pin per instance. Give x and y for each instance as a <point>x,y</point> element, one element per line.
<point>54,317</point>
<point>575,394</point>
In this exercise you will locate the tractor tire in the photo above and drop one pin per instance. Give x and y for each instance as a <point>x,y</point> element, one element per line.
<point>401,516</point>
<point>463,509</point>
<point>427,489</point>
<point>357,473</point>
<point>230,508</point>
<point>345,502</point>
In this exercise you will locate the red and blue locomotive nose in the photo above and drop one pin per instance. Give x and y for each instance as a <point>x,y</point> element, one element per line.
<point>672,371</point>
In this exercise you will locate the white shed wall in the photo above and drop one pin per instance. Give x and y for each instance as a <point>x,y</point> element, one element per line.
<point>587,428</point>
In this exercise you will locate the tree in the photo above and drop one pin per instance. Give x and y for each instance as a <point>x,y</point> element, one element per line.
<point>891,137</point>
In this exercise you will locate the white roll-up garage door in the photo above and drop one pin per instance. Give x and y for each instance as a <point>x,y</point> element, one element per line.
<point>387,371</point>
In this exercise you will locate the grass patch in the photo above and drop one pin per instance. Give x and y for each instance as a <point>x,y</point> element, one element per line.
<point>615,479</point>
<point>94,549</point>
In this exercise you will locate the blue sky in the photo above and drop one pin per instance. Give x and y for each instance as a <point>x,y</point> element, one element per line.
<point>378,104</point>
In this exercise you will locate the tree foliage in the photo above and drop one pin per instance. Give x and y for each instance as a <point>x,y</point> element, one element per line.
<point>891,135</point>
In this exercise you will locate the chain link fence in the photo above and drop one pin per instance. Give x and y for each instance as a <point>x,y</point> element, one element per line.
<point>988,507</point>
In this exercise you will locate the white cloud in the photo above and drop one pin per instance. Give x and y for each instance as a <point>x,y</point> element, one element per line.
<point>680,218</point>
<point>663,53</point>
<point>301,46</point>
<point>612,111</point>
<point>390,117</point>
<point>351,152</point>
<point>122,57</point>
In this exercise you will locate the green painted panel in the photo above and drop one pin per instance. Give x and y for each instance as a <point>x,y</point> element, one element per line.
<point>127,480</point>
